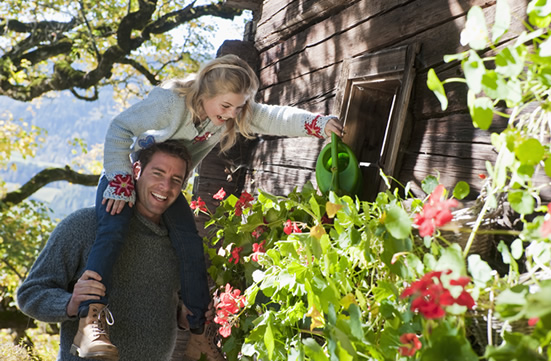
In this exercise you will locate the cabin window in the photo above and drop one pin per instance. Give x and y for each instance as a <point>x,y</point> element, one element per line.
<point>372,100</point>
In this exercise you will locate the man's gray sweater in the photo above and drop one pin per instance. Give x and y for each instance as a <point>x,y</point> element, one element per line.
<point>145,286</point>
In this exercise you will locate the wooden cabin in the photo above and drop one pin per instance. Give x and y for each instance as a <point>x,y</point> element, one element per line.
<point>367,62</point>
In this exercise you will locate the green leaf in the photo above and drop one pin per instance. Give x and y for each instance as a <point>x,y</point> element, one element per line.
<point>314,350</point>
<point>530,151</point>
<point>434,84</point>
<point>481,110</point>
<point>537,304</point>
<point>475,33</point>
<point>479,270</point>
<point>451,258</point>
<point>269,339</point>
<point>545,48</point>
<point>474,70</point>
<point>447,345</point>
<point>502,20</point>
<point>539,13</point>
<point>356,322</point>
<point>461,190</point>
<point>315,206</point>
<point>547,166</point>
<point>510,302</point>
<point>510,61</point>
<point>429,184</point>
<point>521,201</point>
<point>397,222</point>
<point>517,249</point>
<point>516,347</point>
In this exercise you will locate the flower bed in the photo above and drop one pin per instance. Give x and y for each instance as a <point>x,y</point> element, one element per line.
<point>322,277</point>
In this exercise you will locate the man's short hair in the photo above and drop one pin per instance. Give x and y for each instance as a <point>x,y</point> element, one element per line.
<point>172,147</point>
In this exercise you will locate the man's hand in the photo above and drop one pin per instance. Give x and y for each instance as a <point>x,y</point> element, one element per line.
<point>88,287</point>
<point>115,206</point>
<point>184,312</point>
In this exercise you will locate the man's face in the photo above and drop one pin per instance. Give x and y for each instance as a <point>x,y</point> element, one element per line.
<point>158,184</point>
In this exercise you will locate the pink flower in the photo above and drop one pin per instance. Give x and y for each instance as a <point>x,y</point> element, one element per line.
<point>258,248</point>
<point>227,310</point>
<point>411,344</point>
<point>436,212</point>
<point>291,227</point>
<point>220,195</point>
<point>430,296</point>
<point>123,184</point>
<point>199,204</point>
<point>235,255</point>
<point>533,321</point>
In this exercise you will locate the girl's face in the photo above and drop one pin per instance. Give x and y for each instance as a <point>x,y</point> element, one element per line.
<point>222,107</point>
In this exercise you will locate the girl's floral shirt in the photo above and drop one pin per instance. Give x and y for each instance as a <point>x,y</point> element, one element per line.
<point>163,115</point>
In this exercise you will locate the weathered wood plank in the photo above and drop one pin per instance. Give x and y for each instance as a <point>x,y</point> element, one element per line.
<point>279,62</point>
<point>280,20</point>
<point>278,180</point>
<point>280,164</point>
<point>291,152</point>
<point>318,81</point>
<point>314,92</point>
<point>254,5</point>
<point>416,167</point>
<point>326,29</point>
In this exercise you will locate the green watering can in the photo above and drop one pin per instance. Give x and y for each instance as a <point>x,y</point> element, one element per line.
<point>342,176</point>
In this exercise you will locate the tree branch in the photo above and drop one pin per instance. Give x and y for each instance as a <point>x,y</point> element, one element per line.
<point>64,75</point>
<point>45,177</point>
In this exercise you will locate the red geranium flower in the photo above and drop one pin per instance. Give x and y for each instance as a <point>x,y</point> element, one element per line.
<point>291,227</point>
<point>220,195</point>
<point>258,231</point>
<point>430,296</point>
<point>123,184</point>
<point>235,255</point>
<point>199,204</point>
<point>258,248</point>
<point>436,212</point>
<point>243,202</point>
<point>227,310</point>
<point>411,344</point>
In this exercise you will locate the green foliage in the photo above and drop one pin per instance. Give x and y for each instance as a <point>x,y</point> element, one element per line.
<point>51,44</point>
<point>336,278</point>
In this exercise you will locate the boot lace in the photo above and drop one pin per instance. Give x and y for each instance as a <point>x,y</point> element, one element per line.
<point>105,319</point>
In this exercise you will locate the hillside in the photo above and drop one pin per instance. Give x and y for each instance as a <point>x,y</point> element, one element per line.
<point>64,118</point>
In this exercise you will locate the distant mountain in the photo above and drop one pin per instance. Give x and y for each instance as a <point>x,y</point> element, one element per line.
<point>65,118</point>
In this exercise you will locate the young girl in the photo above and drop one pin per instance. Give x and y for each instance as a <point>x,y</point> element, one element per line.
<point>209,109</point>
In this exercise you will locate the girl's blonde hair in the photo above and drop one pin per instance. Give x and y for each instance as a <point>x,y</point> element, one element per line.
<point>226,74</point>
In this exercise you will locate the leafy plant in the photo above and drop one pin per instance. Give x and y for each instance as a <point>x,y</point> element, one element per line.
<point>322,277</point>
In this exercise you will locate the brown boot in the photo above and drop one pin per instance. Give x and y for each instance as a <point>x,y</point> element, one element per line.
<point>92,338</point>
<point>206,344</point>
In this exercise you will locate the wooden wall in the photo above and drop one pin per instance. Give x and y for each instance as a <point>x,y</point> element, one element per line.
<point>302,45</point>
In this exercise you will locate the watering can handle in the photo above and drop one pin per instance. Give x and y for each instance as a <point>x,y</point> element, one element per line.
<point>334,164</point>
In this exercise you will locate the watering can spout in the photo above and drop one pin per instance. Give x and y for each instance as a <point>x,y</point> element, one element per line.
<point>337,169</point>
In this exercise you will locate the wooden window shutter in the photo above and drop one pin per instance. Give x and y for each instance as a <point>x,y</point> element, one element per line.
<point>372,100</point>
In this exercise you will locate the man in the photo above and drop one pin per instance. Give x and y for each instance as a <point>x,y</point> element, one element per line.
<point>146,278</point>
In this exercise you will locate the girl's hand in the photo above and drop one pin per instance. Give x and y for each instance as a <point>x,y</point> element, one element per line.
<point>334,126</point>
<point>115,206</point>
